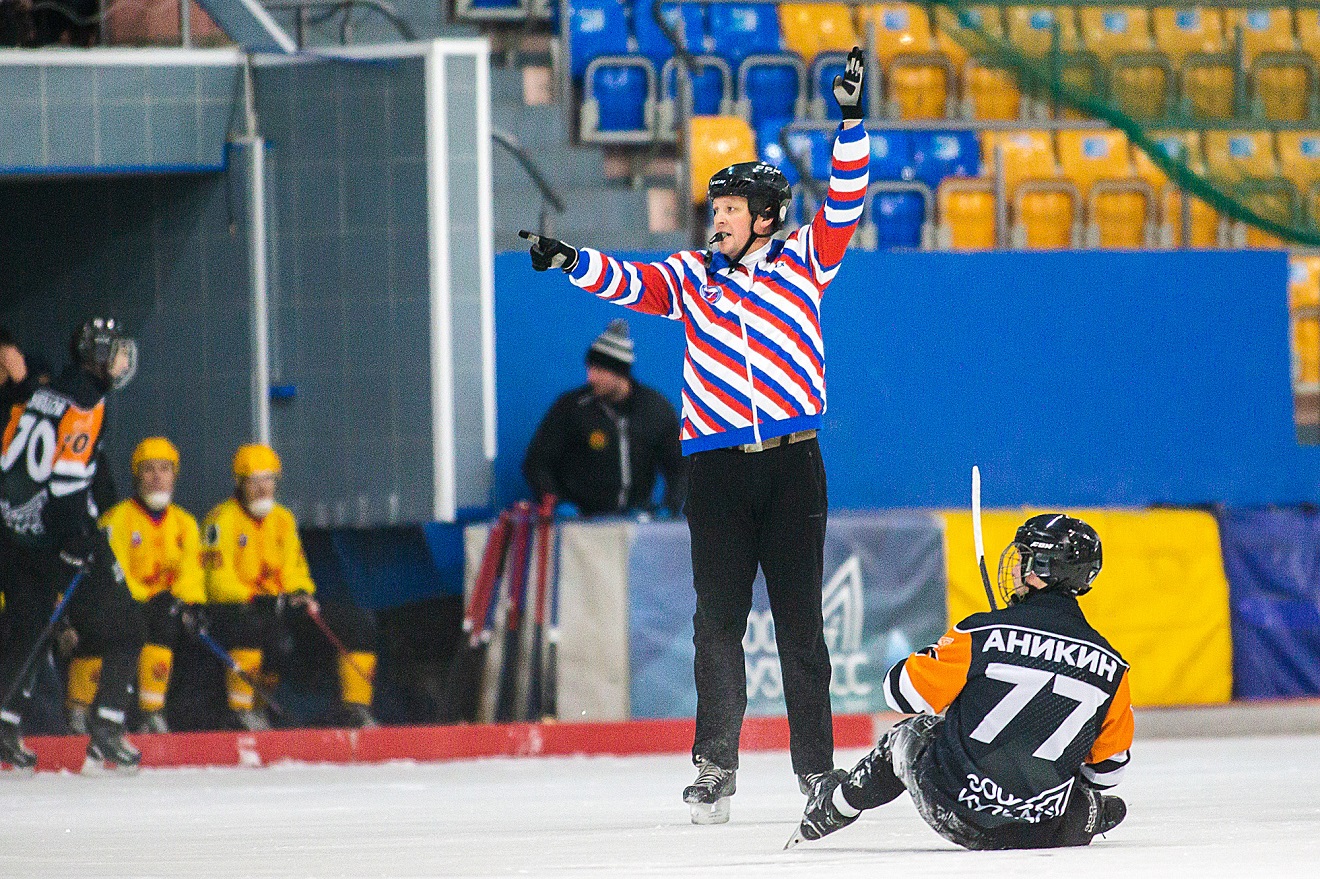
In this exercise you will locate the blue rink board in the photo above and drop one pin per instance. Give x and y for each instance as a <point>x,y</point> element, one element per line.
<point>1074,378</point>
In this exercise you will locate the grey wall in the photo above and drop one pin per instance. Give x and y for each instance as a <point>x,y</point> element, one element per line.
<point>160,253</point>
<point>350,313</point>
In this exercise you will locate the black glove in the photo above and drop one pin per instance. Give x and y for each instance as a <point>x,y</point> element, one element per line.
<point>848,88</point>
<point>193,617</point>
<point>78,551</point>
<point>550,253</point>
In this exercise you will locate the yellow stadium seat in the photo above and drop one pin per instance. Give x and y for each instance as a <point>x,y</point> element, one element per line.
<point>1282,91</point>
<point>1268,29</point>
<point>963,35</point>
<point>1027,155</point>
<point>990,92</point>
<point>918,90</point>
<point>1114,30</point>
<point>1238,154</point>
<point>1180,32</point>
<point>1141,91</point>
<point>1306,350</point>
<point>1308,30</point>
<point>1299,160</point>
<point>1117,217</point>
<point>1204,220</point>
<point>1303,281</point>
<point>966,214</point>
<point>812,28</point>
<point>1030,28</point>
<point>1044,220</point>
<point>900,28</point>
<point>1278,204</point>
<point>1207,90</point>
<point>715,142</point>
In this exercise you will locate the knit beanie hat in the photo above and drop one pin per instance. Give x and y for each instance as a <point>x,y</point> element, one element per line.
<point>613,349</point>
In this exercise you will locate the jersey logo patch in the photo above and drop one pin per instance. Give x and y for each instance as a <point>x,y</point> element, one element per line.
<point>711,292</point>
<point>242,540</point>
<point>136,538</point>
<point>597,440</point>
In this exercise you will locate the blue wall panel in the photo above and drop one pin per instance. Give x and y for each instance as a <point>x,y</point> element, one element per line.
<point>1072,378</point>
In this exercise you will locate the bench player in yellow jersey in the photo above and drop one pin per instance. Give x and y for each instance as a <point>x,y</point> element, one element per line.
<point>258,587</point>
<point>157,544</point>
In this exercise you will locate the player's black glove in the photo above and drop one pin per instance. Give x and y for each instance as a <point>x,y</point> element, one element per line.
<point>78,551</point>
<point>848,88</point>
<point>550,253</point>
<point>193,618</point>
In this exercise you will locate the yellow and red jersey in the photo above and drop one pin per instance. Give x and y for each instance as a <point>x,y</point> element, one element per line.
<point>1034,700</point>
<point>244,557</point>
<point>159,552</point>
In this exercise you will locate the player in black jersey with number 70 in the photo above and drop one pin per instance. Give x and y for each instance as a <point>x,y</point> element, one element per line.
<point>1023,714</point>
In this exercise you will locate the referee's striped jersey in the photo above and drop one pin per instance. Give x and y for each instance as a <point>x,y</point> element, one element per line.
<point>1034,701</point>
<point>755,366</point>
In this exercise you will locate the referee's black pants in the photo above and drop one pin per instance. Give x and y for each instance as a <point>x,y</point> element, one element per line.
<point>768,509</point>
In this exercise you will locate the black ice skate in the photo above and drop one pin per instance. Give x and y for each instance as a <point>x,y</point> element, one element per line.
<point>12,750</point>
<point>153,722</point>
<point>1112,812</point>
<point>822,815</point>
<point>808,781</point>
<point>109,750</point>
<point>708,796</point>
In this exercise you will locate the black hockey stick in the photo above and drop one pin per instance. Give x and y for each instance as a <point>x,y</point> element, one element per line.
<point>200,633</point>
<point>977,538</point>
<point>27,672</point>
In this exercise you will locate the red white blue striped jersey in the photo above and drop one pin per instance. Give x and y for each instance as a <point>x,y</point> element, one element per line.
<point>755,364</point>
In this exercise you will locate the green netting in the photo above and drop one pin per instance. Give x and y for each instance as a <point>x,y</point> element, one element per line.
<point>1134,92</point>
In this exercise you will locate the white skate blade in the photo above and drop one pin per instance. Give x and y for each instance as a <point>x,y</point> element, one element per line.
<point>710,813</point>
<point>94,768</point>
<point>796,838</point>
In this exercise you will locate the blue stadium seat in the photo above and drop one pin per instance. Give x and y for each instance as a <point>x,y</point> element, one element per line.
<point>711,87</point>
<point>738,30</point>
<point>771,151</point>
<point>771,86</point>
<point>897,217</point>
<point>891,156</point>
<point>621,93</point>
<point>940,154</point>
<point>652,42</point>
<point>815,146</point>
<point>595,28</point>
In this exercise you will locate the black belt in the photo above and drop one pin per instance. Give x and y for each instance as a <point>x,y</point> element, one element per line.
<point>776,441</point>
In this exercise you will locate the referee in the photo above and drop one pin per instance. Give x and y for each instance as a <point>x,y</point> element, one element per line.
<point>753,395</point>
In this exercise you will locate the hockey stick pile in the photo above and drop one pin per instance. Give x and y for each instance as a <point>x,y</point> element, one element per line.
<point>504,667</point>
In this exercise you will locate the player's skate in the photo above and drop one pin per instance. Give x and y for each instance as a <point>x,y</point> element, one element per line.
<point>1112,812</point>
<point>708,796</point>
<point>252,720</point>
<point>807,781</point>
<point>153,722</point>
<point>12,750</point>
<point>77,718</point>
<point>109,750</point>
<point>822,815</point>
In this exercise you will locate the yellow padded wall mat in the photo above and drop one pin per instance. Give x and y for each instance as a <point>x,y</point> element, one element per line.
<point>1161,599</point>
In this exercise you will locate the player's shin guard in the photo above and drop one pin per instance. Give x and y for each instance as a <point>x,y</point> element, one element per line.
<point>240,693</point>
<point>872,781</point>
<point>154,666</point>
<point>356,689</point>
<point>84,678</point>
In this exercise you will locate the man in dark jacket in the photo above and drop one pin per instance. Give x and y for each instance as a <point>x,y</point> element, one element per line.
<point>600,446</point>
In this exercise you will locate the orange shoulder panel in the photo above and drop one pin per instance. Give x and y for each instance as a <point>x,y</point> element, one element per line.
<point>940,672</point>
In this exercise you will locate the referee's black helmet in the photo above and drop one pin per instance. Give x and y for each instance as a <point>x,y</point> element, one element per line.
<point>763,185</point>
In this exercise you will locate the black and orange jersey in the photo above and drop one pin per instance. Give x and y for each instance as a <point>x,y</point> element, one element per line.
<point>1034,698</point>
<point>48,458</point>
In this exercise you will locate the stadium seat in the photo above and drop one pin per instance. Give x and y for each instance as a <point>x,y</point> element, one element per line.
<point>737,30</point>
<point>1044,220</point>
<point>811,28</point>
<point>900,28</point>
<point>1235,155</point>
<point>1044,207</point>
<point>1115,30</point>
<point>823,70</point>
<point>618,100</point>
<point>1303,281</point>
<point>712,87</point>
<point>716,142</point>
<point>1120,207</point>
<point>989,93</point>
<point>772,152</point>
<point>1306,351</point>
<point>897,219</point>
<point>652,42</point>
<point>1276,200</point>
<point>771,86</point>
<point>1299,160</point>
<point>815,147</point>
<point>1030,29</point>
<point>1027,155</point>
<point>1204,227</point>
<point>1180,32</point>
<point>1208,85</point>
<point>1142,85</point>
<point>1308,30</point>
<point>937,155</point>
<point>1267,29</point>
<point>1283,86</point>
<point>962,35</point>
<point>920,86</point>
<point>595,28</point>
<point>966,211</point>
<point>891,155</point>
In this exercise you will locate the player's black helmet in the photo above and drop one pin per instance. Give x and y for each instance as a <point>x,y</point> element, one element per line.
<point>764,186</point>
<point>1064,552</point>
<point>98,343</point>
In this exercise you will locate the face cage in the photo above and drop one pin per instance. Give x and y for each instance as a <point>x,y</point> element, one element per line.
<point>1010,573</point>
<point>120,345</point>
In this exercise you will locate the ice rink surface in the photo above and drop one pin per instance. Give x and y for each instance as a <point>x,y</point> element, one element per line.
<point>1197,808</point>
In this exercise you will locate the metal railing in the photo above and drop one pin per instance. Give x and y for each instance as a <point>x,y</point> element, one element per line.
<point>328,9</point>
<point>550,197</point>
